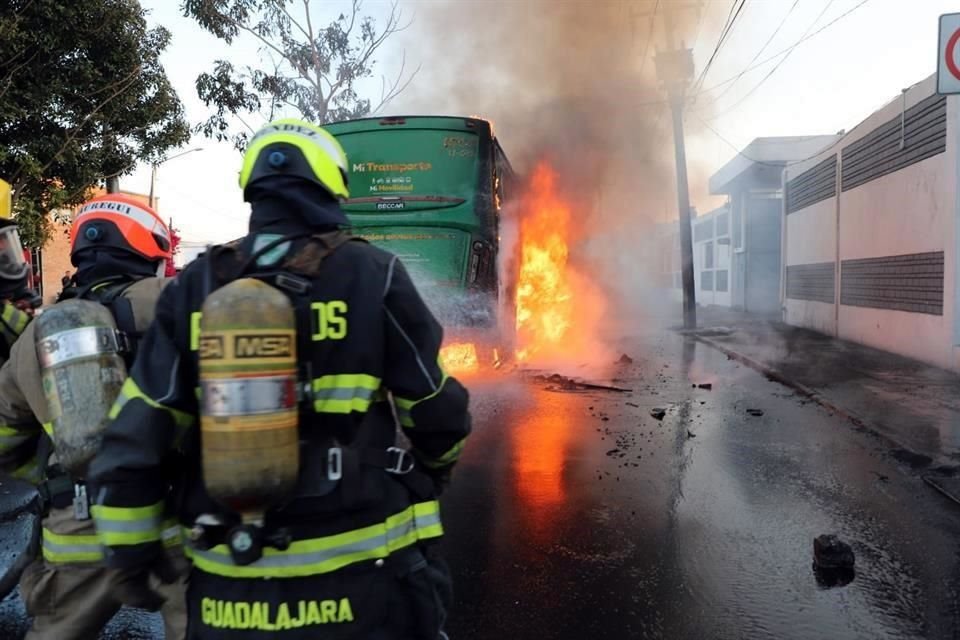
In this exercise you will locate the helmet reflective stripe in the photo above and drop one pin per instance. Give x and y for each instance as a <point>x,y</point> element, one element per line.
<point>329,146</point>
<point>319,157</point>
<point>141,216</point>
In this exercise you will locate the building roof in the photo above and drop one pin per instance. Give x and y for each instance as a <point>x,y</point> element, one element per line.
<point>769,155</point>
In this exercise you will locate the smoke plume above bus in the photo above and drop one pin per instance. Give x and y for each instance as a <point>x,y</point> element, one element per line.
<point>573,84</point>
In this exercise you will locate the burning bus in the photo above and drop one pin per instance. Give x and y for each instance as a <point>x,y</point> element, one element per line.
<point>431,189</point>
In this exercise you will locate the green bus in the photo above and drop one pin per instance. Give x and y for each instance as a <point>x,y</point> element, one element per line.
<point>432,189</point>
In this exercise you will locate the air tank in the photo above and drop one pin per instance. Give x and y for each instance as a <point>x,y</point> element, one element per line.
<point>248,378</point>
<point>82,370</point>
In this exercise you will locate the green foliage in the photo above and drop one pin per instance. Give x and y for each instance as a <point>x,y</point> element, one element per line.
<point>83,97</point>
<point>308,70</point>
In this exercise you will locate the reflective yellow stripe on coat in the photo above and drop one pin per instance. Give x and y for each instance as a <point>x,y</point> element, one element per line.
<point>59,548</point>
<point>324,555</point>
<point>345,393</point>
<point>11,438</point>
<point>124,526</point>
<point>449,457</point>
<point>131,391</point>
<point>29,471</point>
<point>14,319</point>
<point>405,406</point>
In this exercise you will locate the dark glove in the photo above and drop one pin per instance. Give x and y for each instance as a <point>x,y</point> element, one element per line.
<point>132,586</point>
<point>440,477</point>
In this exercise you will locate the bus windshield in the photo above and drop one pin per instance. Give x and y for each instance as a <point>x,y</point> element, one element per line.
<point>410,169</point>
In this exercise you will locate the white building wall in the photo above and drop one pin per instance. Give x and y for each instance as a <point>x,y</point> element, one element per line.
<point>910,211</point>
<point>811,239</point>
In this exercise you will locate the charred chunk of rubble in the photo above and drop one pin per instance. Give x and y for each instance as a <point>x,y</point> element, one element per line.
<point>830,552</point>
<point>833,562</point>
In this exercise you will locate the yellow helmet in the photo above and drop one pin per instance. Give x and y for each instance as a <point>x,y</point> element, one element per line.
<point>298,148</point>
<point>5,200</point>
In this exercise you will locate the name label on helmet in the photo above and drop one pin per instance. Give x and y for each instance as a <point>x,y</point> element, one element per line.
<point>328,146</point>
<point>141,216</point>
<point>286,128</point>
<point>106,205</point>
<point>390,206</point>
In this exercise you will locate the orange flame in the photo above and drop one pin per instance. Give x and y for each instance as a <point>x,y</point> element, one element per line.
<point>460,357</point>
<point>558,310</point>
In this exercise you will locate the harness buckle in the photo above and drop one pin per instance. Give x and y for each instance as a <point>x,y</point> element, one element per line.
<point>291,283</point>
<point>123,342</point>
<point>401,462</point>
<point>81,505</point>
<point>334,464</point>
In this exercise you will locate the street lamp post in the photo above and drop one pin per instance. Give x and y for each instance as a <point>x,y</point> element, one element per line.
<point>153,172</point>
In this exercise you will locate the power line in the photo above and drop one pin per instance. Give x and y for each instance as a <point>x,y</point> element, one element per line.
<point>840,138</point>
<point>781,165</point>
<point>770,58</point>
<point>776,66</point>
<point>762,49</point>
<point>735,147</point>
<point>724,32</point>
<point>788,49</point>
<point>732,18</point>
<point>232,216</point>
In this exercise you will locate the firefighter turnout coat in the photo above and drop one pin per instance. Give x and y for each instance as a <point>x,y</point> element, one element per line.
<point>18,442</point>
<point>12,323</point>
<point>367,351</point>
<point>24,416</point>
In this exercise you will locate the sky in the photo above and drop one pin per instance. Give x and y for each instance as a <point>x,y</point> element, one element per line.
<point>830,82</point>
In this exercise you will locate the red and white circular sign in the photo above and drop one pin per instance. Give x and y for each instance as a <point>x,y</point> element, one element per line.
<point>948,63</point>
<point>951,54</point>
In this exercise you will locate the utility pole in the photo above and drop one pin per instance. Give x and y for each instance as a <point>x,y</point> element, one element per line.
<point>110,145</point>
<point>153,173</point>
<point>675,70</point>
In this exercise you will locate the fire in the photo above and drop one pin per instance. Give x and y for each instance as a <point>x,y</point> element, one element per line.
<point>460,357</point>
<point>558,309</point>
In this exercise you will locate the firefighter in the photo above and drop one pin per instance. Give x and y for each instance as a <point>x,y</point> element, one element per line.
<point>17,302</point>
<point>281,366</point>
<point>117,245</point>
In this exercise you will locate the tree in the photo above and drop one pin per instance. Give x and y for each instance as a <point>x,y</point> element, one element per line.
<point>312,71</point>
<point>83,97</point>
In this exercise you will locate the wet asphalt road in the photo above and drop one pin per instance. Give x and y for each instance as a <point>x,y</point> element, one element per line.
<point>578,515</point>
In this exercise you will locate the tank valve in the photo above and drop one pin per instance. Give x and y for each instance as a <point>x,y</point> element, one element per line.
<point>246,544</point>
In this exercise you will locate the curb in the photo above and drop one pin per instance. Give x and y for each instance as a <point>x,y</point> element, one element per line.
<point>778,377</point>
